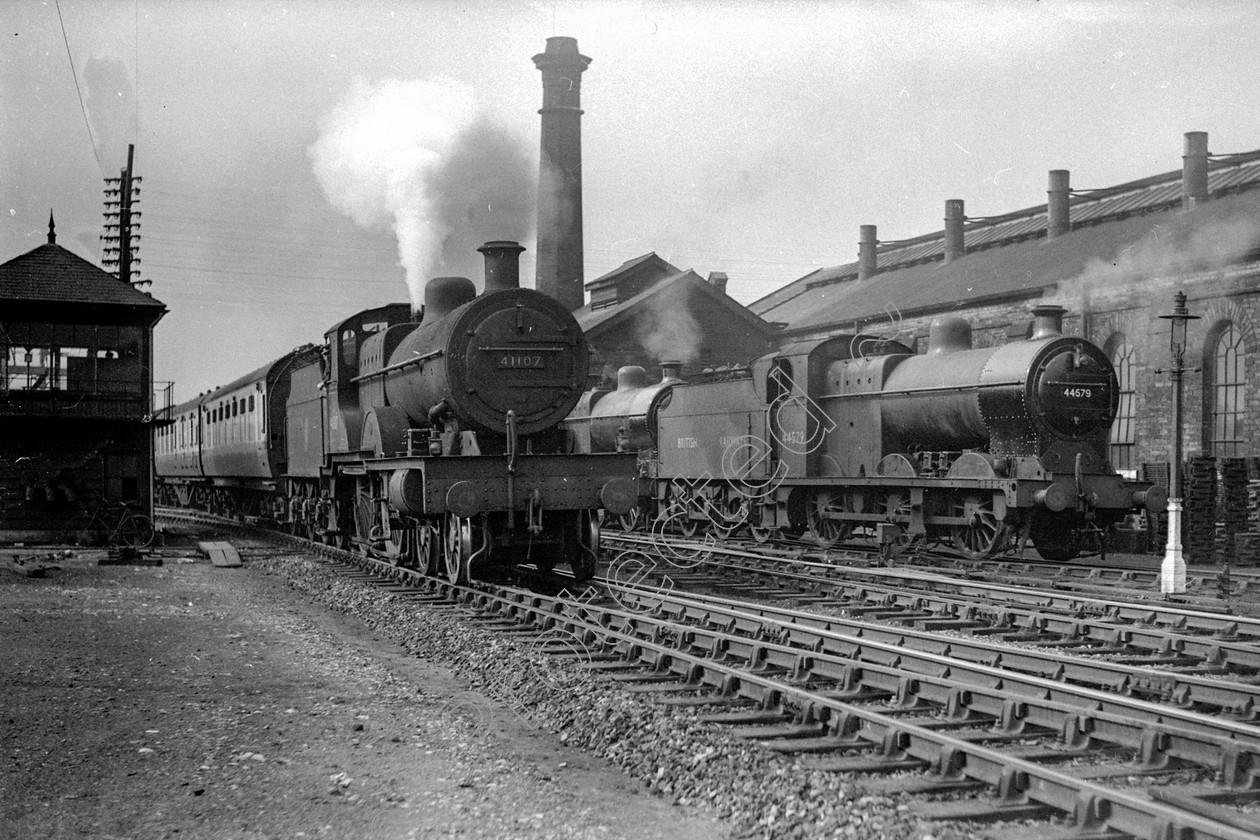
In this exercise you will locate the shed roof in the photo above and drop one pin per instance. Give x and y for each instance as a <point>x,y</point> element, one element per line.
<point>1009,255</point>
<point>594,322</point>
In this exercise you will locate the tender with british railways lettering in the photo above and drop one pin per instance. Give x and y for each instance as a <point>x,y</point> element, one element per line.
<point>984,448</point>
<point>432,442</point>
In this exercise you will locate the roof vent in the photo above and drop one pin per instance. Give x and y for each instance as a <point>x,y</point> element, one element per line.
<point>954,218</point>
<point>1194,170</point>
<point>867,241</point>
<point>1058,219</point>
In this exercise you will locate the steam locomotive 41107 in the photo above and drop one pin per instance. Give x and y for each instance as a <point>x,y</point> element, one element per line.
<point>985,448</point>
<point>435,442</point>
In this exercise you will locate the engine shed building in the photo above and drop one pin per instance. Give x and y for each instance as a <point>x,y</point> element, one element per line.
<point>647,310</point>
<point>77,399</point>
<point>1114,258</point>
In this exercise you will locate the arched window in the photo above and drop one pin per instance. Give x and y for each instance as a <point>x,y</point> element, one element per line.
<point>1229,391</point>
<point>1120,449</point>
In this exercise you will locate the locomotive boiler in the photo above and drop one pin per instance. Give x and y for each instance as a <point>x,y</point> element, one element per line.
<point>985,448</point>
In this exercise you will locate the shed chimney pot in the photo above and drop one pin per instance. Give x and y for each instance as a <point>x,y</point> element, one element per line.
<point>718,280</point>
<point>1058,212</point>
<point>954,218</point>
<point>1194,170</point>
<point>867,241</point>
<point>560,266</point>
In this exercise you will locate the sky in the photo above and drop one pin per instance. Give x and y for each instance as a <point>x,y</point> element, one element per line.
<point>303,160</point>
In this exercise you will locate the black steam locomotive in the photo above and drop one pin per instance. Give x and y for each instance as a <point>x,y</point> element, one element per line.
<point>434,442</point>
<point>985,448</point>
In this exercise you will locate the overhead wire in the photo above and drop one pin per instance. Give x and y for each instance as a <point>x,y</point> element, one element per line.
<point>74,74</point>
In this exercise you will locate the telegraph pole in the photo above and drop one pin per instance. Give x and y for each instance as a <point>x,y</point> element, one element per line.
<point>122,223</point>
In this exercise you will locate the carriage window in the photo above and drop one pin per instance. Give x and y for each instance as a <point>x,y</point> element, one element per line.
<point>1121,443</point>
<point>251,402</point>
<point>1228,370</point>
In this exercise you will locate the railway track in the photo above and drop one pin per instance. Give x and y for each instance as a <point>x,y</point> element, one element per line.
<point>989,730</point>
<point>1083,575</point>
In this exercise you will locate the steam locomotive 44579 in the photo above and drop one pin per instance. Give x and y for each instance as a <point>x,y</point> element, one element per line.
<point>434,442</point>
<point>985,448</point>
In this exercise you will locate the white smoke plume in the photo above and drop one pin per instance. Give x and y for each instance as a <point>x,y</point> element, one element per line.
<point>415,155</point>
<point>669,332</point>
<point>1177,248</point>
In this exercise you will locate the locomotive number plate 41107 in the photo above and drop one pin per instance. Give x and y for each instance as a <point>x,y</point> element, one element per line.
<point>522,360</point>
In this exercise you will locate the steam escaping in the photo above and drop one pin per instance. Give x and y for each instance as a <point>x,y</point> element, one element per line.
<point>415,155</point>
<point>1165,250</point>
<point>668,331</point>
<point>485,190</point>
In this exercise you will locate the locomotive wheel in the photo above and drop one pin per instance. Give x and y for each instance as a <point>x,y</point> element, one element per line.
<point>632,520</point>
<point>825,531</point>
<point>981,538</point>
<point>1052,535</point>
<point>895,506</point>
<point>461,539</point>
<point>763,535</point>
<point>364,516</point>
<point>399,548</point>
<point>679,512</point>
<point>730,517</point>
<point>428,549</point>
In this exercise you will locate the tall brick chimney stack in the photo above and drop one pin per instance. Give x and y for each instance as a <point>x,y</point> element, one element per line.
<point>560,270</point>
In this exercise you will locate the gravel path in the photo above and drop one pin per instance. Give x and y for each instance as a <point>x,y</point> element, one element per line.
<point>186,701</point>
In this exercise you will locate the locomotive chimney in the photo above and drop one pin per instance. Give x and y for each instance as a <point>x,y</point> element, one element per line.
<point>1194,170</point>
<point>953,229</point>
<point>1047,321</point>
<point>671,371</point>
<point>442,295</point>
<point>503,268</point>
<point>1058,220</point>
<point>866,251</point>
<point>559,268</point>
